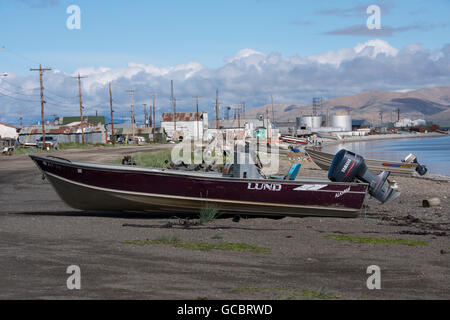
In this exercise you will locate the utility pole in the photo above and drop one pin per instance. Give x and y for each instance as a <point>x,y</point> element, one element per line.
<point>196,117</point>
<point>154,115</point>
<point>113,137</point>
<point>273,114</point>
<point>174,100</point>
<point>150,117</point>
<point>239,117</point>
<point>145,115</point>
<point>81,106</point>
<point>217,110</point>
<point>41,73</point>
<point>131,91</point>
<point>328,117</point>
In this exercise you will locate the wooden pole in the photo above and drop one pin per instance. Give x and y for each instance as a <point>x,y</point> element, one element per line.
<point>273,114</point>
<point>81,108</point>
<point>41,73</point>
<point>174,115</point>
<point>197,117</point>
<point>154,117</point>
<point>145,115</point>
<point>154,95</point>
<point>217,110</point>
<point>113,137</point>
<point>132,111</point>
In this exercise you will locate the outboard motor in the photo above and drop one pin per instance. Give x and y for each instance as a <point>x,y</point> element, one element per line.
<point>348,166</point>
<point>420,169</point>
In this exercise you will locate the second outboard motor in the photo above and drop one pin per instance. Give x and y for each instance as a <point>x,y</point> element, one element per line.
<point>421,169</point>
<point>348,166</point>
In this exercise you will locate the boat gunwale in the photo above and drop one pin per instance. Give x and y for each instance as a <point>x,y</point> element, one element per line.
<point>187,174</point>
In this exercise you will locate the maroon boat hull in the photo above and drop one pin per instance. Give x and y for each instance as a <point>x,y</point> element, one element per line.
<point>89,186</point>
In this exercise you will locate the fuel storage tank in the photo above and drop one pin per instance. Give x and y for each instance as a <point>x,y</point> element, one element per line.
<point>343,121</point>
<point>309,122</point>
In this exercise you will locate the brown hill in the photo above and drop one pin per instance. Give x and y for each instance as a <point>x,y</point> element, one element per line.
<point>429,104</point>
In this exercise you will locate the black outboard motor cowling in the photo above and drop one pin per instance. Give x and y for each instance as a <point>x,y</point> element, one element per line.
<point>420,168</point>
<point>348,166</point>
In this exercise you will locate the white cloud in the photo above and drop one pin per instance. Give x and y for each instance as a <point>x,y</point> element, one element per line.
<point>371,49</point>
<point>249,75</point>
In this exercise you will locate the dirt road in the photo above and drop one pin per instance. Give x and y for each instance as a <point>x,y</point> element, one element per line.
<point>40,237</point>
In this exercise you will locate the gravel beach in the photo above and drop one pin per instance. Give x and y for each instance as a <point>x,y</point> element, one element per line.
<point>299,258</point>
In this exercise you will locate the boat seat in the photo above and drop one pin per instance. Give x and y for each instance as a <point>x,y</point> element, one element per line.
<point>292,173</point>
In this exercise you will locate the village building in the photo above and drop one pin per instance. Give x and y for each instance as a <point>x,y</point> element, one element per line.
<point>64,133</point>
<point>189,125</point>
<point>123,132</point>
<point>8,131</point>
<point>244,128</point>
<point>404,123</point>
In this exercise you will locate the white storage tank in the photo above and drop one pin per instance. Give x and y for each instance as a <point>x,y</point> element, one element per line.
<point>343,121</point>
<point>309,122</point>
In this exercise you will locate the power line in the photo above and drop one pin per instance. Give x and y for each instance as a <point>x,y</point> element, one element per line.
<point>19,99</point>
<point>48,91</point>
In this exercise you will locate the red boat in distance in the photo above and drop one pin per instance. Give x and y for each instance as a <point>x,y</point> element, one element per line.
<point>294,140</point>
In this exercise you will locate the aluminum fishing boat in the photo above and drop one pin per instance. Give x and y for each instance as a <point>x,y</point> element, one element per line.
<point>105,187</point>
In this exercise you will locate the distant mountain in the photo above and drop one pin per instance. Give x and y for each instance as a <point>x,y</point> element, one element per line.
<point>429,104</point>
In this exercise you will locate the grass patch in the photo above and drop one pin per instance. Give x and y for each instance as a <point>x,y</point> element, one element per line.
<point>291,294</point>
<point>202,246</point>
<point>207,214</point>
<point>152,159</point>
<point>341,237</point>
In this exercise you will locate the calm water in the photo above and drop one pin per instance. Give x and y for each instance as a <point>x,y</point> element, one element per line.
<point>432,152</point>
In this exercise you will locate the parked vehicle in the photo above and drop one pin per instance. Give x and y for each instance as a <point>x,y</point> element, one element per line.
<point>7,146</point>
<point>50,143</point>
<point>130,140</point>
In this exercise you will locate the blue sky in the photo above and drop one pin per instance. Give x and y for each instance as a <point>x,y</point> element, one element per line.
<point>249,49</point>
<point>165,33</point>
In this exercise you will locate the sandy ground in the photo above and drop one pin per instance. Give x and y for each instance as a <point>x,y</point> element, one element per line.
<point>40,237</point>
